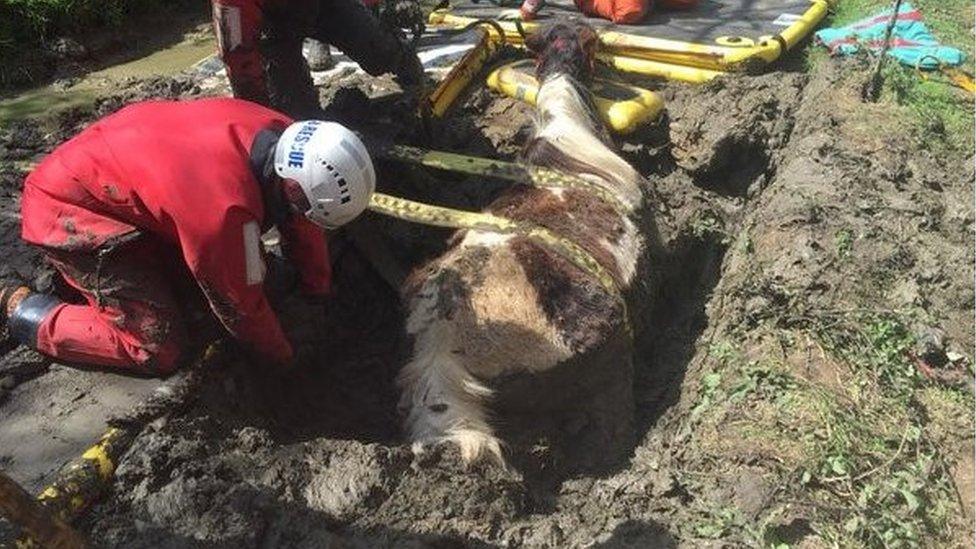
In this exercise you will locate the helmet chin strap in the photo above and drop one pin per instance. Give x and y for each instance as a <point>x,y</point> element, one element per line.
<point>319,219</point>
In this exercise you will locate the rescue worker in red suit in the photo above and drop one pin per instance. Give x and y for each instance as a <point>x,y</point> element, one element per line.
<point>260,42</point>
<point>195,180</point>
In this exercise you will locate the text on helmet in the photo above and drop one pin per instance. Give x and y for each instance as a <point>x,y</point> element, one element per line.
<point>296,155</point>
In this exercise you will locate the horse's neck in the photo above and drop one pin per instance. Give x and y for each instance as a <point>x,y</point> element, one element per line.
<point>568,124</point>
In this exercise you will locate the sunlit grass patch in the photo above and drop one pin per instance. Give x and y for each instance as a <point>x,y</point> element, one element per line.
<point>862,457</point>
<point>941,114</point>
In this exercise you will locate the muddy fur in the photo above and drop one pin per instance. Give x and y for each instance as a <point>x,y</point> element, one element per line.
<point>496,307</point>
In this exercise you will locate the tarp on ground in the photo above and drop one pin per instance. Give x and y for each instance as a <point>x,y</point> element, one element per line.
<point>707,23</point>
<point>911,43</point>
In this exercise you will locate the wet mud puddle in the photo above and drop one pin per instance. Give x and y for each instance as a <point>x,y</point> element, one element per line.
<point>77,92</point>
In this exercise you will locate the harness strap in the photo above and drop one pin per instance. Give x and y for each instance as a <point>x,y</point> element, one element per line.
<point>535,176</point>
<point>439,216</point>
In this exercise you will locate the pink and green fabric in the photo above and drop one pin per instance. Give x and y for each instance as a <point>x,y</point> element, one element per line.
<point>911,42</point>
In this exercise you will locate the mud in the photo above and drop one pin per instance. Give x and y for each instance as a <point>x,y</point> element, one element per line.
<point>754,178</point>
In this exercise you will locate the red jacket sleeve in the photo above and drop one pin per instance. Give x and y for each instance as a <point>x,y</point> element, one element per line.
<point>237,24</point>
<point>303,243</point>
<point>229,266</point>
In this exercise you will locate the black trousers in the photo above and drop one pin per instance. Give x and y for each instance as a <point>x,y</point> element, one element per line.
<point>346,24</point>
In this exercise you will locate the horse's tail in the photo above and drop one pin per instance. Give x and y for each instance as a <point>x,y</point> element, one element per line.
<point>444,402</point>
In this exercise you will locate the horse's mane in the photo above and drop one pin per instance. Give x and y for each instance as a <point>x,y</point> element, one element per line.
<point>570,136</point>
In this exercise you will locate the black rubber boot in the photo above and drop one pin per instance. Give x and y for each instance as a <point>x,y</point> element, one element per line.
<point>11,294</point>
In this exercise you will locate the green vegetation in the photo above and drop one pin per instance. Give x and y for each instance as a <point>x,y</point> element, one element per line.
<point>27,22</point>
<point>857,435</point>
<point>940,114</point>
<point>843,242</point>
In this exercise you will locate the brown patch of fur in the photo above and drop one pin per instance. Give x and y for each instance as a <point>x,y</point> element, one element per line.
<point>468,263</point>
<point>578,306</point>
<point>578,216</point>
<point>564,46</point>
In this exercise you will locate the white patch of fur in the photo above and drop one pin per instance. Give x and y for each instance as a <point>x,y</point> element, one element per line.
<point>499,330</point>
<point>558,192</point>
<point>627,249</point>
<point>482,238</point>
<point>442,400</point>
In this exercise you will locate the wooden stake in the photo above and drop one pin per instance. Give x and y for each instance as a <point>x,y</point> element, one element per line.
<point>43,526</point>
<point>872,89</point>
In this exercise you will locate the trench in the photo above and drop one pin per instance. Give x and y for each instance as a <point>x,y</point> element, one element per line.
<point>351,349</point>
<point>349,389</point>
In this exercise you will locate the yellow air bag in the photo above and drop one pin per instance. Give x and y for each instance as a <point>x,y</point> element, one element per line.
<point>623,107</point>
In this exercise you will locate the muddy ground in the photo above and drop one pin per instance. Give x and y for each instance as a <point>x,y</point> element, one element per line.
<point>805,378</point>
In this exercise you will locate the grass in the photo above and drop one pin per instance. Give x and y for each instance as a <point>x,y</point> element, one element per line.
<point>940,115</point>
<point>864,457</point>
<point>26,25</point>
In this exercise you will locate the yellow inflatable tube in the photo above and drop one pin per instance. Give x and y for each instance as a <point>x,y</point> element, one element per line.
<point>461,75</point>
<point>668,71</point>
<point>729,53</point>
<point>622,107</point>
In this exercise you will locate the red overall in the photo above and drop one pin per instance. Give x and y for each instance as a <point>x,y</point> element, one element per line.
<point>155,180</point>
<point>629,12</point>
<point>273,72</point>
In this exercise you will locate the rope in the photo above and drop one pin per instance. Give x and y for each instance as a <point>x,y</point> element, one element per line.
<point>956,77</point>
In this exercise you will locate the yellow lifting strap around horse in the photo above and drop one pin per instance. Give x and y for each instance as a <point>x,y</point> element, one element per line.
<point>536,176</point>
<point>439,216</point>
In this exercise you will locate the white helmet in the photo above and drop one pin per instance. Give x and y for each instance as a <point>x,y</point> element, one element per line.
<point>332,167</point>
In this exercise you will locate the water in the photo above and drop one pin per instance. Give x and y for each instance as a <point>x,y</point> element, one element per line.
<point>47,100</point>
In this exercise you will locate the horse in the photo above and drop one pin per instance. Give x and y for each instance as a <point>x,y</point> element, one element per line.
<point>502,306</point>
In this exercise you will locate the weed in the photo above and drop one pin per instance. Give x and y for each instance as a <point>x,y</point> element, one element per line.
<point>876,458</point>
<point>710,383</point>
<point>763,381</point>
<point>718,523</point>
<point>843,243</point>
<point>863,456</point>
<point>877,344</point>
<point>708,224</point>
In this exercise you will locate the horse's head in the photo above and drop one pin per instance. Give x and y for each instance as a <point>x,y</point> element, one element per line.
<point>564,47</point>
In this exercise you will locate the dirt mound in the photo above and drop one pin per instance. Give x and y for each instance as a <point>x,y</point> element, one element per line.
<point>815,268</point>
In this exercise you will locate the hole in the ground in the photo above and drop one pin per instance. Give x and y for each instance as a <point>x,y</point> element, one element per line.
<point>677,321</point>
<point>343,386</point>
<point>738,167</point>
<point>347,390</point>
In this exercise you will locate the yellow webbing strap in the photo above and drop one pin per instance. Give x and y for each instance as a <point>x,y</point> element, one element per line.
<point>439,216</point>
<point>960,79</point>
<point>957,77</point>
<point>518,173</point>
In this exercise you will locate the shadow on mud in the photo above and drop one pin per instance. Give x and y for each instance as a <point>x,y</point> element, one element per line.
<point>677,320</point>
